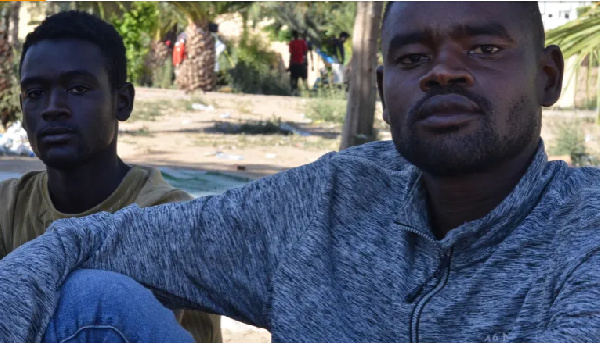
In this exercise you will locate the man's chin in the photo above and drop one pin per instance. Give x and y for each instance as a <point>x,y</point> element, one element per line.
<point>449,158</point>
<point>61,160</point>
<point>452,168</point>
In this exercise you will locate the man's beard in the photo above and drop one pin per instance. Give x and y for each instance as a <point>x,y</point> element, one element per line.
<point>455,153</point>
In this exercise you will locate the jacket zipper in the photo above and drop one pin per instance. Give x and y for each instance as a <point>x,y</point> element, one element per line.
<point>442,281</point>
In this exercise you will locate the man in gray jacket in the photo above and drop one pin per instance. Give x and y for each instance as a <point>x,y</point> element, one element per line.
<point>459,230</point>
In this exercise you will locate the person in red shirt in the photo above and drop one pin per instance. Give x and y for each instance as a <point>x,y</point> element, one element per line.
<point>298,50</point>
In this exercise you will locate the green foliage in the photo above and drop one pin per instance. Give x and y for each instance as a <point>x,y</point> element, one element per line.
<point>10,108</point>
<point>261,127</point>
<point>579,39</point>
<point>319,19</point>
<point>281,35</point>
<point>136,26</point>
<point>328,105</point>
<point>256,70</point>
<point>204,11</point>
<point>570,139</point>
<point>162,77</point>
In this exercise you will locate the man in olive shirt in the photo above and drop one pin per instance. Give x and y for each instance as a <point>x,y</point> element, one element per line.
<point>73,94</point>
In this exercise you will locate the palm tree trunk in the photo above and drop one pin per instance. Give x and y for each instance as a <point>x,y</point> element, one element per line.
<point>198,69</point>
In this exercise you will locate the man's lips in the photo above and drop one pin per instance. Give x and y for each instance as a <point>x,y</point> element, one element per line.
<point>444,111</point>
<point>56,135</point>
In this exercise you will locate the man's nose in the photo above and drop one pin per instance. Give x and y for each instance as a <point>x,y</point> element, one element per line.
<point>57,107</point>
<point>449,70</point>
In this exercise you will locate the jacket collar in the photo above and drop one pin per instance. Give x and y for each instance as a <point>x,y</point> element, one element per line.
<point>486,232</point>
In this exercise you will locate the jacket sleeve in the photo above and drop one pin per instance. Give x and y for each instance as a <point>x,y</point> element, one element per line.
<point>176,195</point>
<point>216,253</point>
<point>575,314</point>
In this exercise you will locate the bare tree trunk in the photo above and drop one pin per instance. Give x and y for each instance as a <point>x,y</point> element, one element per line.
<point>360,109</point>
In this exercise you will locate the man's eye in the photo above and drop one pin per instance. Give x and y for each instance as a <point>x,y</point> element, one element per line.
<point>485,50</point>
<point>79,90</point>
<point>412,59</point>
<point>34,94</point>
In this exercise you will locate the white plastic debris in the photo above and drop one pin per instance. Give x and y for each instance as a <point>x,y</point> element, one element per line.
<point>202,107</point>
<point>225,156</point>
<point>225,115</point>
<point>15,142</point>
<point>270,155</point>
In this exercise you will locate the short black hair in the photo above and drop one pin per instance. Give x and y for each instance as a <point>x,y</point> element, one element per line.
<point>344,34</point>
<point>87,27</point>
<point>294,34</point>
<point>532,10</point>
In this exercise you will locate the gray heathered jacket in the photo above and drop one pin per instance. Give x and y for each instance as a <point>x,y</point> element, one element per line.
<point>340,251</point>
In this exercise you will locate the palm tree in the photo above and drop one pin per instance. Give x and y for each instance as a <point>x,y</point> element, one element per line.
<point>8,110</point>
<point>168,21</point>
<point>197,70</point>
<point>579,39</point>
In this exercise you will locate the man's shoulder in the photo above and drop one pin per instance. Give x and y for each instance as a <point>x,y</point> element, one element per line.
<point>18,196</point>
<point>577,216</point>
<point>15,185</point>
<point>156,190</point>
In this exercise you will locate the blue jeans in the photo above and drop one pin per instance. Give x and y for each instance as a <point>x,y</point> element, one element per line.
<point>100,306</point>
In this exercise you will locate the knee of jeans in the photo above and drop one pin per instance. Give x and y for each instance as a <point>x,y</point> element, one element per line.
<point>98,282</point>
<point>90,287</point>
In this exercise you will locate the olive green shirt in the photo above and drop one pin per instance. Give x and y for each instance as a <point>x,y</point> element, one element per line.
<point>26,210</point>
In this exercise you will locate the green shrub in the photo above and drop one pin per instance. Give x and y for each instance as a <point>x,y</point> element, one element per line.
<point>326,110</point>
<point>256,69</point>
<point>327,104</point>
<point>570,139</point>
<point>256,78</point>
<point>163,77</point>
<point>135,26</point>
<point>10,108</point>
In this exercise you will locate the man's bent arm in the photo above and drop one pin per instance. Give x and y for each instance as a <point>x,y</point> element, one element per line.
<point>215,253</point>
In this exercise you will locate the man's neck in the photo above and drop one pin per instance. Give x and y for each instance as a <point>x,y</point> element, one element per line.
<point>453,201</point>
<point>80,189</point>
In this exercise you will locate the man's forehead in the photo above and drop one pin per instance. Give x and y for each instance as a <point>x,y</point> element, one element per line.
<point>60,56</point>
<point>441,17</point>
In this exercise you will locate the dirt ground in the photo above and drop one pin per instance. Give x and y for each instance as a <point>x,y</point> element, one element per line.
<point>200,139</point>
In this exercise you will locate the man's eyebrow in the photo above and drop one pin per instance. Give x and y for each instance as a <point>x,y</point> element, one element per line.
<point>489,29</point>
<point>31,80</point>
<point>64,75</point>
<point>400,40</point>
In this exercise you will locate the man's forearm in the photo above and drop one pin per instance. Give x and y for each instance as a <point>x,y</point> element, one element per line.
<point>29,281</point>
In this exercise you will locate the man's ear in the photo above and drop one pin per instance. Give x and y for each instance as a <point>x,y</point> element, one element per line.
<point>386,116</point>
<point>125,95</point>
<point>553,68</point>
